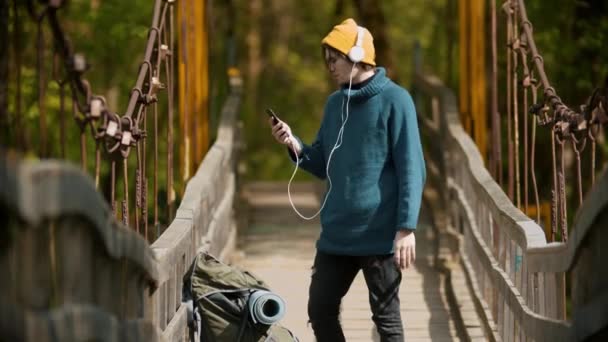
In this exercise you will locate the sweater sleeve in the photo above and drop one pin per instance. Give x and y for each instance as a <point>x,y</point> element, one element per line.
<point>311,158</point>
<point>408,159</point>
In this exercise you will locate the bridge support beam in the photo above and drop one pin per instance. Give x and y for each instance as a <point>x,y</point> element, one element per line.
<point>472,36</point>
<point>193,84</point>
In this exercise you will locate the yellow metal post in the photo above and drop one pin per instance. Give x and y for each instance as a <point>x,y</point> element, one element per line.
<point>182,45</point>
<point>478,66</point>
<point>193,85</point>
<point>472,99</point>
<point>202,75</point>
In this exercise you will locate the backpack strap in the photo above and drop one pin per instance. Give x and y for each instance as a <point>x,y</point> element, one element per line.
<point>244,321</point>
<point>194,321</point>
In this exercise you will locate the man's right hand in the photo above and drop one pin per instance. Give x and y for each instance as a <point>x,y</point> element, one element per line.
<point>282,133</point>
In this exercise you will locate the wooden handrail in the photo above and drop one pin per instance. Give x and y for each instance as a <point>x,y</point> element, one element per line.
<point>496,236</point>
<point>204,221</point>
<point>69,258</point>
<point>518,278</point>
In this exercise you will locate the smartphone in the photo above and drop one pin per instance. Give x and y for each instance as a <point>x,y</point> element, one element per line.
<point>273,115</point>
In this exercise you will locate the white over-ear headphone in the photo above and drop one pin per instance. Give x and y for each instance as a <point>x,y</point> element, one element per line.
<point>356,53</point>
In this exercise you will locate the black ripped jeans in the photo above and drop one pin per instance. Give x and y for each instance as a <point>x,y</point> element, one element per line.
<point>332,276</point>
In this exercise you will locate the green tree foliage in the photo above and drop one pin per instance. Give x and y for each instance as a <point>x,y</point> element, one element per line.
<point>572,40</point>
<point>111,36</point>
<point>279,56</point>
<point>4,124</point>
<point>283,66</point>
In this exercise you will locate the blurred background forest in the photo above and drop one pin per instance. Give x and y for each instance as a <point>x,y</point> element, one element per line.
<point>276,46</point>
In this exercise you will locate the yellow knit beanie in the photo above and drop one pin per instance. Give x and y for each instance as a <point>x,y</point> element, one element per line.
<point>344,36</point>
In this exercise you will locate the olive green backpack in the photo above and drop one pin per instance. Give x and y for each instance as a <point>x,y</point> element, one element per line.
<point>217,295</point>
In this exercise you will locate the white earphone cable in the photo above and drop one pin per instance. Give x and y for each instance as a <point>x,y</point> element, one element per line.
<point>337,145</point>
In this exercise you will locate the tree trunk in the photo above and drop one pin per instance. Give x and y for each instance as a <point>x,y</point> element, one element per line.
<point>282,11</point>
<point>372,17</point>
<point>4,121</point>
<point>339,10</point>
<point>254,50</point>
<point>231,35</point>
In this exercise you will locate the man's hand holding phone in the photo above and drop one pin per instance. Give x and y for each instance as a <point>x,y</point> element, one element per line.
<point>282,132</point>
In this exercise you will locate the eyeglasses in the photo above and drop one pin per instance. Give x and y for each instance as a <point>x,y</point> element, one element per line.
<point>331,59</point>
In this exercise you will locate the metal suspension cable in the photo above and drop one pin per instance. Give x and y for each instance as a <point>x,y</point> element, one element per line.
<point>114,133</point>
<point>525,67</point>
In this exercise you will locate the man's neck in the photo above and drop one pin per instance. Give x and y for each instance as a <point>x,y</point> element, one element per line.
<point>363,76</point>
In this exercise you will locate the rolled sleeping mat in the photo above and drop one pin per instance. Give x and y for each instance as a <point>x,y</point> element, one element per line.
<point>266,307</point>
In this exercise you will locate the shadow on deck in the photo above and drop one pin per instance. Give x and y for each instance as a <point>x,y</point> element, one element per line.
<point>279,247</point>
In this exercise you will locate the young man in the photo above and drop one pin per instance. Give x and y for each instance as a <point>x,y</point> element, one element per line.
<point>368,148</point>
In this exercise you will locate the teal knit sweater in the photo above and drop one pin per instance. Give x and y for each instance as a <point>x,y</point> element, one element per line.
<point>377,174</point>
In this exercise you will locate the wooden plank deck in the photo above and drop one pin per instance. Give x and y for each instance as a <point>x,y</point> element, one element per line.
<point>279,247</point>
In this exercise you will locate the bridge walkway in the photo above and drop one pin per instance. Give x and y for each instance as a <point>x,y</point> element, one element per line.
<point>279,247</point>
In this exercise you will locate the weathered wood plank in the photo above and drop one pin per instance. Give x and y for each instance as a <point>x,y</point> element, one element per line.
<point>589,285</point>
<point>71,261</point>
<point>501,279</point>
<point>528,272</point>
<point>67,249</point>
<point>206,202</point>
<point>76,323</point>
<point>37,188</point>
<point>177,329</point>
<point>283,258</point>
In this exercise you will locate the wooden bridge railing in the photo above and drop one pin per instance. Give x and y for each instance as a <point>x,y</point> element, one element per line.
<point>204,220</point>
<point>516,277</point>
<point>72,272</point>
